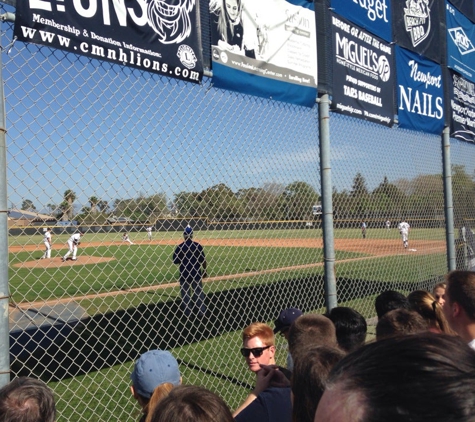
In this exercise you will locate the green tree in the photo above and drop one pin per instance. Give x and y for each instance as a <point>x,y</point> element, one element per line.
<point>359,196</point>
<point>463,193</point>
<point>27,205</point>
<point>220,203</point>
<point>387,198</point>
<point>67,205</point>
<point>298,200</point>
<point>93,200</point>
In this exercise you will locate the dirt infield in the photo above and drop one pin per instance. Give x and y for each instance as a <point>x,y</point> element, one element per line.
<point>372,247</point>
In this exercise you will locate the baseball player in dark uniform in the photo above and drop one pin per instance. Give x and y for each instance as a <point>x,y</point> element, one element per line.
<point>191,258</point>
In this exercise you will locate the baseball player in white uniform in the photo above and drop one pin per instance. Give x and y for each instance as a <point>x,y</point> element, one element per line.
<point>47,242</point>
<point>149,232</point>
<point>404,230</point>
<point>388,224</point>
<point>125,238</point>
<point>73,243</point>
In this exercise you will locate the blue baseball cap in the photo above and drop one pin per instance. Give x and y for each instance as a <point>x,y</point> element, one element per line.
<point>154,368</point>
<point>188,231</point>
<point>286,318</point>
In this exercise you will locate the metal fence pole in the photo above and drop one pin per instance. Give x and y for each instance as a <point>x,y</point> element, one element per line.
<point>448,201</point>
<point>331,299</point>
<point>4,291</point>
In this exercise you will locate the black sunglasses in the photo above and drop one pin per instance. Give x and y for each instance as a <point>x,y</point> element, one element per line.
<point>256,351</point>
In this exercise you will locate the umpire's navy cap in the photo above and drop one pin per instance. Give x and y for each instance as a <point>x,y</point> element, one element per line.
<point>188,231</point>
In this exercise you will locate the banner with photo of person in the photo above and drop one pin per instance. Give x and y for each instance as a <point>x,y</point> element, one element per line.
<point>159,36</point>
<point>417,27</point>
<point>460,42</point>
<point>420,92</point>
<point>363,73</point>
<point>462,107</point>
<point>372,15</point>
<point>266,48</point>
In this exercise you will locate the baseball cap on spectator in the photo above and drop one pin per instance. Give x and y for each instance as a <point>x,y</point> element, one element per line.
<point>154,368</point>
<point>286,318</point>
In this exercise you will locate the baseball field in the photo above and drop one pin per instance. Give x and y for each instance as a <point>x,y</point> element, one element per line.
<point>112,278</point>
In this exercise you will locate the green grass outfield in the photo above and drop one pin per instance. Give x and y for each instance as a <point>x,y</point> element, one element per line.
<point>215,362</point>
<point>145,265</point>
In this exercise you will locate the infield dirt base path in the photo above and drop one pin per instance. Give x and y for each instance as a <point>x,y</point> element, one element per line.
<point>372,247</point>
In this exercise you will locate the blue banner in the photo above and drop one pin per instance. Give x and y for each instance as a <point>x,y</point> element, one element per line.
<point>372,15</point>
<point>460,42</point>
<point>266,48</point>
<point>420,92</point>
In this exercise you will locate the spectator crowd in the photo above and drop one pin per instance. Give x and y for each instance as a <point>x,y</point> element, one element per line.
<point>420,367</point>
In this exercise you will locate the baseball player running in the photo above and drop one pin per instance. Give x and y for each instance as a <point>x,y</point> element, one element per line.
<point>404,230</point>
<point>47,242</point>
<point>149,232</point>
<point>126,238</point>
<point>73,243</point>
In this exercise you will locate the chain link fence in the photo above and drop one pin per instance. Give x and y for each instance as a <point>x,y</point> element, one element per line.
<point>113,151</point>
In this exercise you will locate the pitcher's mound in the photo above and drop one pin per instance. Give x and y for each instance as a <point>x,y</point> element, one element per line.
<point>58,262</point>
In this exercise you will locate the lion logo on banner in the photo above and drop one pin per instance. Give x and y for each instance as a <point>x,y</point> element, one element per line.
<point>172,23</point>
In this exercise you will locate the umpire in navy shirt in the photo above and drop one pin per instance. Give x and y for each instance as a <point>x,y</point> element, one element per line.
<point>191,257</point>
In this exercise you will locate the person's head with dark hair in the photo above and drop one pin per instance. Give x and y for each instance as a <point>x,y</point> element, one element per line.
<point>189,403</point>
<point>311,329</point>
<point>459,306</point>
<point>420,378</point>
<point>400,322</point>
<point>350,327</point>
<point>427,306</point>
<point>312,365</point>
<point>389,300</point>
<point>27,400</point>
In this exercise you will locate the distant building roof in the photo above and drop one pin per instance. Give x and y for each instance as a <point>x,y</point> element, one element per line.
<point>15,214</point>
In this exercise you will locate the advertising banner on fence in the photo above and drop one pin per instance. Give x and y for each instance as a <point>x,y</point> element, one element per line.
<point>372,15</point>
<point>417,27</point>
<point>460,42</point>
<point>266,48</point>
<point>363,73</point>
<point>467,7</point>
<point>420,92</point>
<point>462,107</point>
<point>158,36</point>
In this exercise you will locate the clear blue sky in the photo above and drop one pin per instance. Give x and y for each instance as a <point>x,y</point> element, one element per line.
<point>108,131</point>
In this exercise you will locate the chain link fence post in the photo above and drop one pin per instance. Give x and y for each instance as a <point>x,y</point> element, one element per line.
<point>4,290</point>
<point>448,201</point>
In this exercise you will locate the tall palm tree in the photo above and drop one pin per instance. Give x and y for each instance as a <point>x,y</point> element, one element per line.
<point>69,197</point>
<point>94,201</point>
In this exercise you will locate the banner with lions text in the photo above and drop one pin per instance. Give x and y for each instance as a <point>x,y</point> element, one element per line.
<point>159,36</point>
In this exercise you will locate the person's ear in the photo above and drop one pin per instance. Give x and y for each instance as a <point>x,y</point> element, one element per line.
<point>456,309</point>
